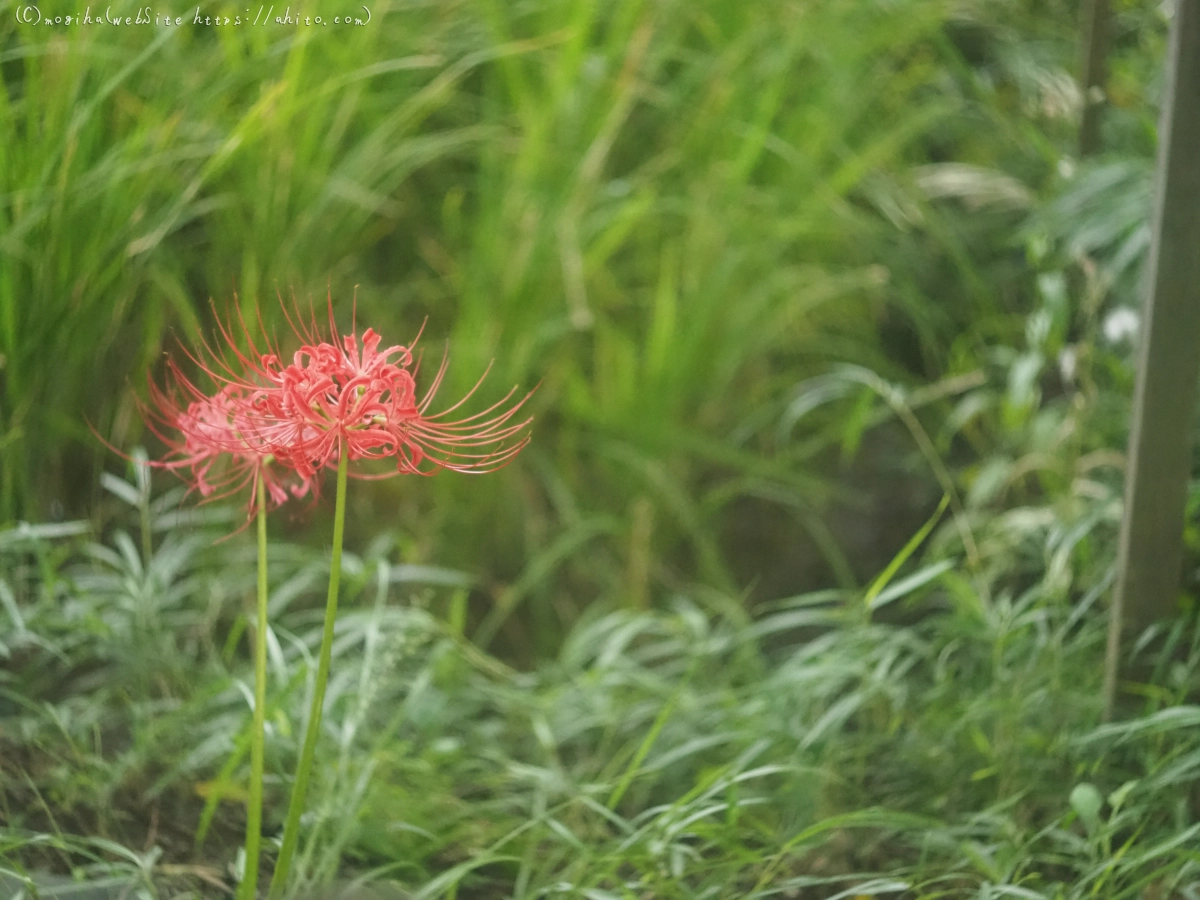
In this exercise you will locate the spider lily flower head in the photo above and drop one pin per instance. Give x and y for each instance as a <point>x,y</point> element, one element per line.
<point>338,394</point>
<point>337,397</point>
<point>223,439</point>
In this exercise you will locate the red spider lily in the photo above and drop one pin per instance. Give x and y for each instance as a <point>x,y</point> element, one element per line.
<point>299,416</point>
<point>368,403</point>
<point>211,428</point>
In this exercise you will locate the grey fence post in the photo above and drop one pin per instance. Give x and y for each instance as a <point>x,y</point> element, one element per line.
<point>1159,460</point>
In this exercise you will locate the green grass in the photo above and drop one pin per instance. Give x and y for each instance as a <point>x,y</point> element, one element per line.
<point>666,214</point>
<point>688,752</point>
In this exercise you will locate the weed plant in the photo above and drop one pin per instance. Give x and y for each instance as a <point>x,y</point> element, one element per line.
<point>820,747</point>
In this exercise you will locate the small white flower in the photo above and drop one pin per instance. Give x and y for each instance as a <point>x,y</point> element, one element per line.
<point>1121,325</point>
<point>1067,360</point>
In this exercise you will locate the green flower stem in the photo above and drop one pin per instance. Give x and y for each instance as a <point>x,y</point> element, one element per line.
<point>291,828</point>
<point>249,885</point>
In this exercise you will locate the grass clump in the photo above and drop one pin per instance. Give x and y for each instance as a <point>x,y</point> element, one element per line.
<point>690,751</point>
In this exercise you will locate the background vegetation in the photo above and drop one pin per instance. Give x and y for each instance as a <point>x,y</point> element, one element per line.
<point>787,275</point>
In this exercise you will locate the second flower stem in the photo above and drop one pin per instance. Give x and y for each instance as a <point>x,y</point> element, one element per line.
<point>249,885</point>
<point>291,828</point>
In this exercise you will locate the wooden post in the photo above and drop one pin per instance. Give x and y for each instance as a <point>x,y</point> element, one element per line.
<point>1094,78</point>
<point>1159,461</point>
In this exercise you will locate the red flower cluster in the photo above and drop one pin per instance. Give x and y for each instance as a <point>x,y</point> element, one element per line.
<point>291,421</point>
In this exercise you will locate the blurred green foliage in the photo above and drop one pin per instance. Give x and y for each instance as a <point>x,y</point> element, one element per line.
<point>690,751</point>
<point>787,275</point>
<point>665,214</point>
